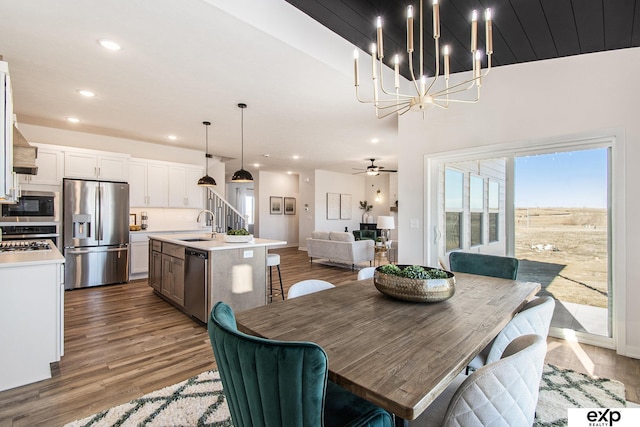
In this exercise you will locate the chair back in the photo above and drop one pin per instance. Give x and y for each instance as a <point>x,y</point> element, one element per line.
<point>484,265</point>
<point>308,287</point>
<point>268,382</point>
<point>534,318</point>
<point>366,273</point>
<point>504,393</point>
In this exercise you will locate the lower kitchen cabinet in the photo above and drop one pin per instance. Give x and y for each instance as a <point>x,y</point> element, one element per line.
<point>166,270</point>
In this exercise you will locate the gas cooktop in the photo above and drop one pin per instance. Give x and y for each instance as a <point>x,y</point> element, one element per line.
<point>24,245</point>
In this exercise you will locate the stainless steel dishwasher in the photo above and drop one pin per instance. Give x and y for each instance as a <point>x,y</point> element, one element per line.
<point>196,283</point>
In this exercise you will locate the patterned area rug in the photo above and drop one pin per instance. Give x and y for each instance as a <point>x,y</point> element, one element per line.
<point>199,401</point>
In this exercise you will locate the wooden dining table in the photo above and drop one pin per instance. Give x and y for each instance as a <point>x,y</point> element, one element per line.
<point>399,355</point>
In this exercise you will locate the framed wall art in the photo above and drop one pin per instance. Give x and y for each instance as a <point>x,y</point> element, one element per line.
<point>275,204</point>
<point>333,206</point>
<point>289,205</point>
<point>345,206</point>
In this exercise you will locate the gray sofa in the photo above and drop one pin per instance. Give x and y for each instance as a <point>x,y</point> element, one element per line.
<point>340,247</point>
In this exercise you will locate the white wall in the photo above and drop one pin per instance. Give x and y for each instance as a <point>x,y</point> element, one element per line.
<point>566,98</point>
<point>340,183</point>
<point>277,227</point>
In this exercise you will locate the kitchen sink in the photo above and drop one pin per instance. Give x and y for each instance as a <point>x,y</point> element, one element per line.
<point>196,239</point>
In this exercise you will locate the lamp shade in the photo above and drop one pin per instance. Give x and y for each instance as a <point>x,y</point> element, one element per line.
<point>242,175</point>
<point>385,223</point>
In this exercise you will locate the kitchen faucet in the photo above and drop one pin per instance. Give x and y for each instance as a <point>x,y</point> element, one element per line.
<point>213,220</point>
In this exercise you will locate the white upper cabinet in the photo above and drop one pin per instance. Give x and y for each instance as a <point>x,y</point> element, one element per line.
<point>89,164</point>
<point>183,187</point>
<point>50,164</point>
<point>148,183</point>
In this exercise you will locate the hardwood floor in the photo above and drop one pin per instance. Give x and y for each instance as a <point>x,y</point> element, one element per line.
<point>124,341</point>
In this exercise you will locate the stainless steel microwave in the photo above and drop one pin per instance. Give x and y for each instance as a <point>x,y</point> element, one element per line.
<point>32,206</point>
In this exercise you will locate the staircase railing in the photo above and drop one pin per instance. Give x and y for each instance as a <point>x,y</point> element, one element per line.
<point>226,216</point>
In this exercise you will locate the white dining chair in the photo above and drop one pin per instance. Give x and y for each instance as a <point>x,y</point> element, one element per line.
<point>308,287</point>
<point>502,393</point>
<point>534,318</point>
<point>366,273</point>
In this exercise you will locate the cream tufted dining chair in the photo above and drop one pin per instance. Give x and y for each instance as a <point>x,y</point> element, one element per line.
<point>308,287</point>
<point>501,394</point>
<point>366,273</point>
<point>534,318</point>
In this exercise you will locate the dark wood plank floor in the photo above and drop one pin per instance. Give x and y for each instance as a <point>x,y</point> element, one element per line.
<point>123,341</point>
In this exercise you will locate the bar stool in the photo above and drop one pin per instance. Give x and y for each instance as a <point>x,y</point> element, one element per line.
<point>273,260</point>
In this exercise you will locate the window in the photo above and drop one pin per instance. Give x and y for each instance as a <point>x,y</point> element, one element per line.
<point>494,208</point>
<point>453,191</point>
<point>476,207</point>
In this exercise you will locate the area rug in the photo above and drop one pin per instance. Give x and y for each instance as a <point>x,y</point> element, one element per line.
<point>199,401</point>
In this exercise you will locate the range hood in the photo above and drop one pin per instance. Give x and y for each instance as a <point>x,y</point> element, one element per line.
<point>24,155</point>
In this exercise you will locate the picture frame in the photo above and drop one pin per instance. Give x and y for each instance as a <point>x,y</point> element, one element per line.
<point>275,205</point>
<point>345,206</point>
<point>333,206</point>
<point>289,205</point>
<point>133,220</point>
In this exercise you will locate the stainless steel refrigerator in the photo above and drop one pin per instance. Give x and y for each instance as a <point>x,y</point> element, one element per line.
<point>96,232</point>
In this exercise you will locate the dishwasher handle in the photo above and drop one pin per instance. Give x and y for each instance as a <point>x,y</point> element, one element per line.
<point>196,253</point>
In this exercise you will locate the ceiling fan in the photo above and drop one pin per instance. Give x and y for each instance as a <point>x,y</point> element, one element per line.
<point>373,170</point>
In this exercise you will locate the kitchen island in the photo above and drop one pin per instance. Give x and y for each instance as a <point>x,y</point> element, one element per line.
<point>31,314</point>
<point>194,271</point>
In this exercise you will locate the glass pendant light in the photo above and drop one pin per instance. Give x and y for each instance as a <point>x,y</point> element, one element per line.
<point>206,180</point>
<point>242,175</point>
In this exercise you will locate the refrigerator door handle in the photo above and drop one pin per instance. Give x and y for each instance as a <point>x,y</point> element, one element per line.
<point>88,251</point>
<point>99,213</point>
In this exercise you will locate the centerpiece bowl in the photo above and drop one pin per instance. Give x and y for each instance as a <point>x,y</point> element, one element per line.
<point>415,283</point>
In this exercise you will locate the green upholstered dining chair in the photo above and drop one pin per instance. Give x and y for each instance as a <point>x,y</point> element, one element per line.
<point>484,265</point>
<point>282,383</point>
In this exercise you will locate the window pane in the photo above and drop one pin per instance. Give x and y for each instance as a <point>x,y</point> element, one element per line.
<point>453,231</point>
<point>493,227</point>
<point>476,228</point>
<point>476,193</point>
<point>494,195</point>
<point>453,187</point>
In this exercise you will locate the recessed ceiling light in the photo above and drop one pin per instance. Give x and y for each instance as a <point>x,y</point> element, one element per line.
<point>256,165</point>
<point>265,155</point>
<point>73,119</point>
<point>289,172</point>
<point>86,93</point>
<point>296,157</point>
<point>109,44</point>
<point>374,140</point>
<point>172,137</point>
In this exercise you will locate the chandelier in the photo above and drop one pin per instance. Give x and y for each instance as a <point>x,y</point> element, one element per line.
<point>437,90</point>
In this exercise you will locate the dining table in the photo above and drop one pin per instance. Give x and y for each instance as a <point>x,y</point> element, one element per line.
<point>396,354</point>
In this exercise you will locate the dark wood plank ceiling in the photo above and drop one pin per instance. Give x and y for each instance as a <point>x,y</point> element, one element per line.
<point>524,30</point>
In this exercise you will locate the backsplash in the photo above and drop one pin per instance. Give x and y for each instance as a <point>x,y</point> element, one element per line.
<point>166,219</point>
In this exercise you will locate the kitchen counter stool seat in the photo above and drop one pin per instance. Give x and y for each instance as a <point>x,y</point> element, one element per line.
<point>273,260</point>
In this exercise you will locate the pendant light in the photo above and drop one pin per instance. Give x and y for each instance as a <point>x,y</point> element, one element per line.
<point>242,175</point>
<point>206,180</point>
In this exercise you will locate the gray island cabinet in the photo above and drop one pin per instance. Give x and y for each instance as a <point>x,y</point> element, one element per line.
<point>194,271</point>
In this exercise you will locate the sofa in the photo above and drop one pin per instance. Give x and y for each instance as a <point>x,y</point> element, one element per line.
<point>339,246</point>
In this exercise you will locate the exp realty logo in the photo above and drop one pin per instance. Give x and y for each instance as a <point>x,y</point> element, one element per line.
<point>604,417</point>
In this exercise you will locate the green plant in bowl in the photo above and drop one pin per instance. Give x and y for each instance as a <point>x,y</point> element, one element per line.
<point>238,232</point>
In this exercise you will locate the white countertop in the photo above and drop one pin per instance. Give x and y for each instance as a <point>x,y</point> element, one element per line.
<point>26,258</point>
<point>216,244</point>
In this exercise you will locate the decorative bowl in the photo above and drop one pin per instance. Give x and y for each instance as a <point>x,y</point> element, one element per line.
<point>238,238</point>
<point>415,290</point>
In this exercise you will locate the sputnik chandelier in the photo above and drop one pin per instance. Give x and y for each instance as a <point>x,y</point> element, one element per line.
<point>436,92</point>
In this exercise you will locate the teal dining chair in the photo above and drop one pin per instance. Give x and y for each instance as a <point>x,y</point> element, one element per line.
<point>273,383</point>
<point>485,265</point>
